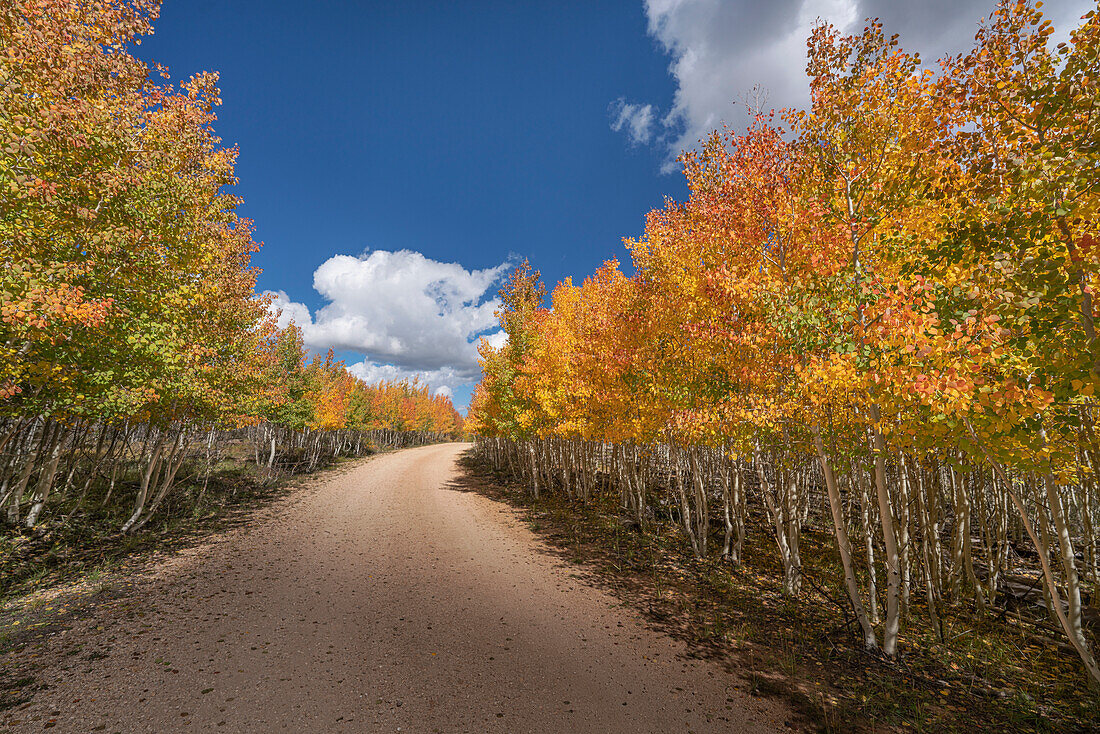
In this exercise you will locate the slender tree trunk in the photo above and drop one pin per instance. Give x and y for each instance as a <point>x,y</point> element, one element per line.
<point>172,465</point>
<point>1069,566</point>
<point>143,490</point>
<point>889,541</point>
<point>1075,639</point>
<point>777,509</point>
<point>840,529</point>
<point>46,479</point>
<point>866,515</point>
<point>34,457</point>
<point>930,580</point>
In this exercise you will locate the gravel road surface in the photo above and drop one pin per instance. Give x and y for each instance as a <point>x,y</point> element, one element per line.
<point>379,599</point>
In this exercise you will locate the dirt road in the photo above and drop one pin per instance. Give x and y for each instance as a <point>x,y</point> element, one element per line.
<point>381,599</point>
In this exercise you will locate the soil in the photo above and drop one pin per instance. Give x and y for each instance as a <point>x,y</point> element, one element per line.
<point>381,598</point>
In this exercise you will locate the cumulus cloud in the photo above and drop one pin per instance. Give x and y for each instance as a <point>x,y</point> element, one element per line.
<point>407,314</point>
<point>496,340</point>
<point>636,119</point>
<point>443,380</point>
<point>721,49</point>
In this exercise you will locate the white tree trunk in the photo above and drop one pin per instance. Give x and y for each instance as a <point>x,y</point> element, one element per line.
<point>889,542</point>
<point>836,509</point>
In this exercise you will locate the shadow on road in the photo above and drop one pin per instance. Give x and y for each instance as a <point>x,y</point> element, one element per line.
<point>607,551</point>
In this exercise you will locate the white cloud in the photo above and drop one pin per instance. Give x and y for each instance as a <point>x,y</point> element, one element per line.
<point>444,391</point>
<point>636,119</point>
<point>407,314</point>
<point>441,381</point>
<point>496,340</point>
<point>721,49</point>
<point>288,311</point>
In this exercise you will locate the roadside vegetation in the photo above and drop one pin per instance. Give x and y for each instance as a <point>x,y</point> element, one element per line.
<point>987,675</point>
<point>146,392</point>
<point>857,367</point>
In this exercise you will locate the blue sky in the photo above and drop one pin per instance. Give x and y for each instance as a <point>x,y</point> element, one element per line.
<point>468,132</point>
<point>382,143</point>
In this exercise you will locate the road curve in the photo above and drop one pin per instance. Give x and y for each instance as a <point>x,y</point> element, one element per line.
<point>380,599</point>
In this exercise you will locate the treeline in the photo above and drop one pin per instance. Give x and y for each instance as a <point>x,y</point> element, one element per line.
<point>874,316</point>
<point>132,341</point>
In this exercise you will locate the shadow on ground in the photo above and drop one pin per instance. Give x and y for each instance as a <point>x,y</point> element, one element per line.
<point>602,550</point>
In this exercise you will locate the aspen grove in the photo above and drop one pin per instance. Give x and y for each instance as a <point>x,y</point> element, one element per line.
<point>134,349</point>
<point>873,316</point>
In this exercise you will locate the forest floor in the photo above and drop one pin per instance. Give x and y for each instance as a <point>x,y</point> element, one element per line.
<point>992,677</point>
<point>89,548</point>
<point>388,595</point>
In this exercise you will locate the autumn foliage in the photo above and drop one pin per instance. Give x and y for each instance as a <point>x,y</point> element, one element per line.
<point>321,395</point>
<point>876,314</point>
<point>129,323</point>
